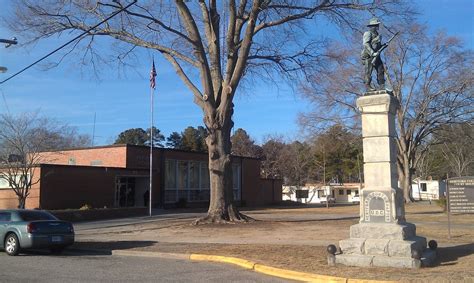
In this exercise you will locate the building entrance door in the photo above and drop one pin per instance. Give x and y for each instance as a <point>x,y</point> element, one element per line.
<point>125,192</point>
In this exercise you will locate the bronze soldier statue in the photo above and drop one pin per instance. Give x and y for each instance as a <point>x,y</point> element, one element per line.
<point>372,46</point>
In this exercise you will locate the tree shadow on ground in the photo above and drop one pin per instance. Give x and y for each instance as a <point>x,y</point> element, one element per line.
<point>312,220</point>
<point>450,255</point>
<point>294,205</point>
<point>92,248</point>
<point>432,212</point>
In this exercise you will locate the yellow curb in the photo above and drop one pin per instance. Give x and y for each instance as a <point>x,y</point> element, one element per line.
<point>368,281</point>
<point>295,275</point>
<point>273,271</point>
<point>216,258</point>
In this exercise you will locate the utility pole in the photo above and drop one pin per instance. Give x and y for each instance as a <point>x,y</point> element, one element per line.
<point>8,43</point>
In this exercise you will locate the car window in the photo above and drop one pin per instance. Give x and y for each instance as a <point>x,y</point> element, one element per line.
<point>5,216</point>
<point>35,215</point>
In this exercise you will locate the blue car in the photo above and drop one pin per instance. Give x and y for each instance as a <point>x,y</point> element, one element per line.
<point>30,229</point>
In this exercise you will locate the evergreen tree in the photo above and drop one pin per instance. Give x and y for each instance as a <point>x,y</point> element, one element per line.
<point>243,145</point>
<point>174,140</point>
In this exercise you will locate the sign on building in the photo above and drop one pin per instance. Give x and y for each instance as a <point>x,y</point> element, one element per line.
<point>461,195</point>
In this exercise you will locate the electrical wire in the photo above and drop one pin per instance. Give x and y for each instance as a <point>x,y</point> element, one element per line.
<point>67,43</point>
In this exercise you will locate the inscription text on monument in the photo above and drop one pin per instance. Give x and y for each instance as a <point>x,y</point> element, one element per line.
<point>377,207</point>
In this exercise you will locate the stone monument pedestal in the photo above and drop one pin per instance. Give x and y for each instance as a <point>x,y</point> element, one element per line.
<point>382,238</point>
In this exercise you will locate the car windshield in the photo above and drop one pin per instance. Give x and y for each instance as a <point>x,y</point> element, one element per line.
<point>35,215</point>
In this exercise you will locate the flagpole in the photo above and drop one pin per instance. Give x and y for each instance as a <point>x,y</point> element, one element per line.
<point>151,147</point>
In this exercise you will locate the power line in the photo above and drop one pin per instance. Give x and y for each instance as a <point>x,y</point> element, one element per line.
<point>67,43</point>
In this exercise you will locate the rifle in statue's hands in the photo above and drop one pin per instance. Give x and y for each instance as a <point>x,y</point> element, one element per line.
<point>377,54</point>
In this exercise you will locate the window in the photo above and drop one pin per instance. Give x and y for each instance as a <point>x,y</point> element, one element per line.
<point>186,180</point>
<point>341,192</point>
<point>204,176</point>
<point>36,215</point>
<point>302,194</point>
<point>170,174</point>
<point>236,180</point>
<point>356,192</point>
<point>182,175</point>
<point>194,175</point>
<point>423,187</point>
<point>349,192</point>
<point>5,216</point>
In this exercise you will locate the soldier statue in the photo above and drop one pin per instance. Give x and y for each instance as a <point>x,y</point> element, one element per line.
<point>372,46</point>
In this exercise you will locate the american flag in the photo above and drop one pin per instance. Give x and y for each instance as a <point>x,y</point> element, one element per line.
<point>152,75</point>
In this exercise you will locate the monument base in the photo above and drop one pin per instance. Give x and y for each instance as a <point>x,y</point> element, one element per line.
<point>384,245</point>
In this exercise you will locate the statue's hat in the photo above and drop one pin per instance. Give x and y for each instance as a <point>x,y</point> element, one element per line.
<point>374,22</point>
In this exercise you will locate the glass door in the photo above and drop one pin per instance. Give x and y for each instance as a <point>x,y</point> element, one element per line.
<point>125,192</point>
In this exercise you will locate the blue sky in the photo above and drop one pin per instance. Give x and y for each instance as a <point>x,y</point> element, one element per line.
<point>73,97</point>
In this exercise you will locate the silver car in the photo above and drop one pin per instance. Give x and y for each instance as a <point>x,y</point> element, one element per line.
<point>31,229</point>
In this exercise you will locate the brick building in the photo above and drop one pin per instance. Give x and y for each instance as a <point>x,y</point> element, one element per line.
<point>118,176</point>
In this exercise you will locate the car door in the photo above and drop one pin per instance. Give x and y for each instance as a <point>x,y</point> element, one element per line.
<point>5,218</point>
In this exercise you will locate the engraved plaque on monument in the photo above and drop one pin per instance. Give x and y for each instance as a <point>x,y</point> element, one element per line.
<point>377,207</point>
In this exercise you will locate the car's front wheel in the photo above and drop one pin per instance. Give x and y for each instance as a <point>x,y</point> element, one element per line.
<point>12,245</point>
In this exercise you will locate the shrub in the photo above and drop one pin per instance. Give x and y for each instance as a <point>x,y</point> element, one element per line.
<point>86,207</point>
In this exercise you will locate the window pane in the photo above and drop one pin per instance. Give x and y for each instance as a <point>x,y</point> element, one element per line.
<point>236,181</point>
<point>194,175</point>
<point>170,174</point>
<point>194,195</point>
<point>204,176</point>
<point>204,195</point>
<point>423,187</point>
<point>236,195</point>
<point>182,175</point>
<point>170,196</point>
<point>182,195</point>
<point>5,216</point>
<point>236,176</point>
<point>36,215</point>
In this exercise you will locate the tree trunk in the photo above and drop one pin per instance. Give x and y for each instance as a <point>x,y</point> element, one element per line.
<point>221,206</point>
<point>405,176</point>
<point>21,202</point>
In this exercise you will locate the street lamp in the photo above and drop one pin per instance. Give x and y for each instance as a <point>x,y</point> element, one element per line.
<point>8,43</point>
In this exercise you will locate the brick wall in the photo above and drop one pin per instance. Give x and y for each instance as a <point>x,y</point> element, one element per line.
<point>65,187</point>
<point>110,156</point>
<point>251,187</point>
<point>9,200</point>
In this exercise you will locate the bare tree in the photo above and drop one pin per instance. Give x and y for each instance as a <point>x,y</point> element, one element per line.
<point>272,161</point>
<point>296,164</point>
<point>430,75</point>
<point>457,147</point>
<point>22,138</point>
<point>220,42</point>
